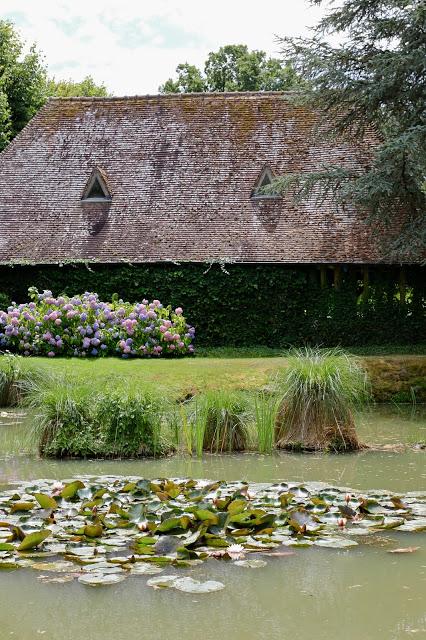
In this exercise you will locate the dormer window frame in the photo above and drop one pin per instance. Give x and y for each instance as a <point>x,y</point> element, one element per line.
<point>269,174</point>
<point>96,176</point>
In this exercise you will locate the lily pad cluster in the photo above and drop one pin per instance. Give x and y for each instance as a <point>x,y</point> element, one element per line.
<point>102,530</point>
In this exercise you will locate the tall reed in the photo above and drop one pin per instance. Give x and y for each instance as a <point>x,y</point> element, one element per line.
<point>266,407</point>
<point>319,391</point>
<point>219,422</point>
<point>63,424</point>
<point>16,380</point>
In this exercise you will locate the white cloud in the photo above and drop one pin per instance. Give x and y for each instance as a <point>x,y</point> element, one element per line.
<point>134,45</point>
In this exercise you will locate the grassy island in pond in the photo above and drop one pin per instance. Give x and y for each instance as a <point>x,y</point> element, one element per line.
<point>319,392</point>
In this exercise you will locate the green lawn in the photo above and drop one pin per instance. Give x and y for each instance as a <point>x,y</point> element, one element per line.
<point>179,376</point>
<point>393,376</point>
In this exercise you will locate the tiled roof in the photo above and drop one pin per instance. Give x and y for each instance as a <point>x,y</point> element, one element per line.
<point>180,170</point>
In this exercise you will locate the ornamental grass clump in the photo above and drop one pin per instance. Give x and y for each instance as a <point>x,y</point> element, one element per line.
<point>84,326</point>
<point>219,422</point>
<point>64,424</point>
<point>15,380</point>
<point>266,407</point>
<point>320,389</point>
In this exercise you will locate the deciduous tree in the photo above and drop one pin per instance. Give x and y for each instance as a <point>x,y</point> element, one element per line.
<point>233,68</point>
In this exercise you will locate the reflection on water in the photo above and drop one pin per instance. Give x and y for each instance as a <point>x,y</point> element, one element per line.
<point>357,594</point>
<point>397,471</point>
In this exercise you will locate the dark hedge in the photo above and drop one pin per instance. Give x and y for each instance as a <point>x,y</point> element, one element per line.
<point>244,305</point>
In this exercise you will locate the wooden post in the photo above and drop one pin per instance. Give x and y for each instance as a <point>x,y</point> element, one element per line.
<point>402,286</point>
<point>337,276</point>
<point>366,282</point>
<point>313,277</point>
<point>323,276</point>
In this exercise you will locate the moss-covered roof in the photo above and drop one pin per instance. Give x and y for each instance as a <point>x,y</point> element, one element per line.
<point>181,171</point>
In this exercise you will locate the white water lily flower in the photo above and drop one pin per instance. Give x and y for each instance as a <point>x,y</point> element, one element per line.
<point>236,551</point>
<point>143,526</point>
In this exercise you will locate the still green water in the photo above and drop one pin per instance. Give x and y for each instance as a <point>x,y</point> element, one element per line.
<point>363,593</point>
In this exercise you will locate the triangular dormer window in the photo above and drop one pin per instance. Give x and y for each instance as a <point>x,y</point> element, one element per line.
<point>265,179</point>
<point>96,189</point>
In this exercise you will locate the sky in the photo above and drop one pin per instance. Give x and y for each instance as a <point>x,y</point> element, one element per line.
<point>133,46</point>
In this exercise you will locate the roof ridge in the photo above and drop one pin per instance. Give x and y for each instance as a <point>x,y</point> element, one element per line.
<point>203,94</point>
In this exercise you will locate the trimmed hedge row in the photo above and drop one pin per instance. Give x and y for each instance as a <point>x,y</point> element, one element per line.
<point>243,305</point>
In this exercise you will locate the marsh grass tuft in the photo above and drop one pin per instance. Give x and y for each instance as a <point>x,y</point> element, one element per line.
<point>266,407</point>
<point>218,422</point>
<point>320,389</point>
<point>73,420</point>
<point>16,380</point>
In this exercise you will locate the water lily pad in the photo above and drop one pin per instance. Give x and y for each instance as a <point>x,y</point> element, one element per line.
<point>21,506</point>
<point>34,539</point>
<point>140,568</point>
<point>45,501</point>
<point>251,563</point>
<point>335,543</point>
<point>70,490</point>
<point>101,579</point>
<point>101,567</point>
<point>58,567</point>
<point>56,579</point>
<point>189,585</point>
<point>162,583</point>
<point>93,530</point>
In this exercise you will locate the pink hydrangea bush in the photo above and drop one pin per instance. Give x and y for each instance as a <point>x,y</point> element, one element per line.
<point>85,326</point>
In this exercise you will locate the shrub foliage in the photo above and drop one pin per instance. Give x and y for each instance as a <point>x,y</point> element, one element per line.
<point>74,421</point>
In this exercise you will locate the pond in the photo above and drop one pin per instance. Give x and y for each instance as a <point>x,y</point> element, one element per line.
<point>362,592</point>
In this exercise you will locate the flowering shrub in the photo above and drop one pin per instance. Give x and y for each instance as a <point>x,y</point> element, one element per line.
<point>85,326</point>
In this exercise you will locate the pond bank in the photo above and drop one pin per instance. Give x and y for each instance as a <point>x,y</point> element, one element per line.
<point>394,378</point>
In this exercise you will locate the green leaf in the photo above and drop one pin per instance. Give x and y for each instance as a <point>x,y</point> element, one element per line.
<point>93,530</point>
<point>174,523</point>
<point>45,501</point>
<point>207,516</point>
<point>236,506</point>
<point>33,540</point>
<point>22,506</point>
<point>70,489</point>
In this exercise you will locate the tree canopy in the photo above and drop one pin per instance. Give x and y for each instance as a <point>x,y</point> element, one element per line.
<point>25,86</point>
<point>71,89</point>
<point>233,68</point>
<point>22,83</point>
<point>373,80</point>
